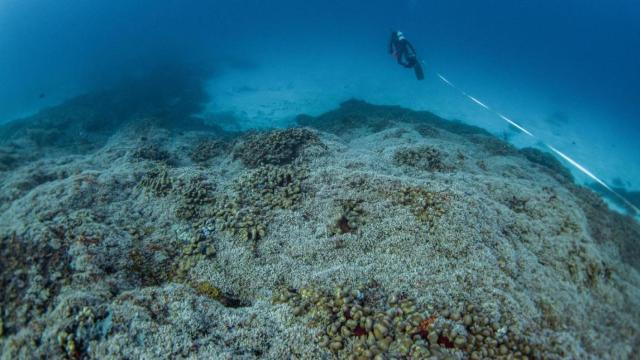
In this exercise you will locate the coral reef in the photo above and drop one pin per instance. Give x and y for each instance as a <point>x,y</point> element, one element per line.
<point>248,223</point>
<point>193,252</point>
<point>427,206</point>
<point>158,181</point>
<point>83,327</point>
<point>364,323</point>
<point>427,131</point>
<point>166,98</point>
<point>7,160</point>
<point>207,150</point>
<point>194,194</point>
<point>267,188</point>
<point>356,114</point>
<point>144,267</point>
<point>548,163</point>
<point>493,145</point>
<point>633,197</point>
<point>152,152</point>
<point>425,158</point>
<point>271,187</point>
<point>606,226</point>
<point>278,147</point>
<point>444,242</point>
<point>350,218</point>
<point>31,276</point>
<point>210,291</point>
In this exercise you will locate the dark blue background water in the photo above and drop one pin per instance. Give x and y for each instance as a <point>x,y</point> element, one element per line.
<point>576,54</point>
<point>589,50</point>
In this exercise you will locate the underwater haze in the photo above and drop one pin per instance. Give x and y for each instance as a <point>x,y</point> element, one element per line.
<point>568,71</point>
<point>262,179</point>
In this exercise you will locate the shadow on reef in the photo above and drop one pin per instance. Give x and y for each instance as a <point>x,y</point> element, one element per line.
<point>166,97</point>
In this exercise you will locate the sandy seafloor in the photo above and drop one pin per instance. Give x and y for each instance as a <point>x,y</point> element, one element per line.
<point>367,232</point>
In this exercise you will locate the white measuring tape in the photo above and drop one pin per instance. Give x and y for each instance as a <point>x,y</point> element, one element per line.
<point>556,151</point>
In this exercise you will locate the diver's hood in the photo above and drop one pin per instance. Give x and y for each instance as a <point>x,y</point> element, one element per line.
<point>400,35</point>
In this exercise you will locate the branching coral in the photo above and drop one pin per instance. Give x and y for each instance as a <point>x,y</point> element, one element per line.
<point>354,324</point>
<point>493,145</point>
<point>194,193</point>
<point>256,194</point>
<point>424,157</point>
<point>150,151</point>
<point>207,150</point>
<point>144,268</point>
<point>83,327</point>
<point>198,249</point>
<point>428,207</point>
<point>278,147</point>
<point>157,181</point>
<point>247,222</point>
<point>351,217</point>
<point>272,187</point>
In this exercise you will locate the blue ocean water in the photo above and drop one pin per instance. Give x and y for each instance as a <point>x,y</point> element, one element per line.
<point>566,71</point>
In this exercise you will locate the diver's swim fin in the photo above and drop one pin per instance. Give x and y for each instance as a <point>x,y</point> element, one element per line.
<point>418,69</point>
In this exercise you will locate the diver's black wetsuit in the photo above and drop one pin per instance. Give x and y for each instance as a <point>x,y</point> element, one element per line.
<point>405,53</point>
<point>403,50</point>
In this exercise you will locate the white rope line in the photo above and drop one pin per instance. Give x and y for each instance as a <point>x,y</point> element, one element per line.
<point>556,151</point>
<point>516,125</point>
<point>478,102</point>
<point>519,127</point>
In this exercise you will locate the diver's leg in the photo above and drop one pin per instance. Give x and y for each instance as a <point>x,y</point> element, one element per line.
<point>419,71</point>
<point>403,61</point>
<point>411,62</point>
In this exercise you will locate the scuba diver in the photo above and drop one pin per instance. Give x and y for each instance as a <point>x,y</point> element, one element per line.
<point>404,52</point>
